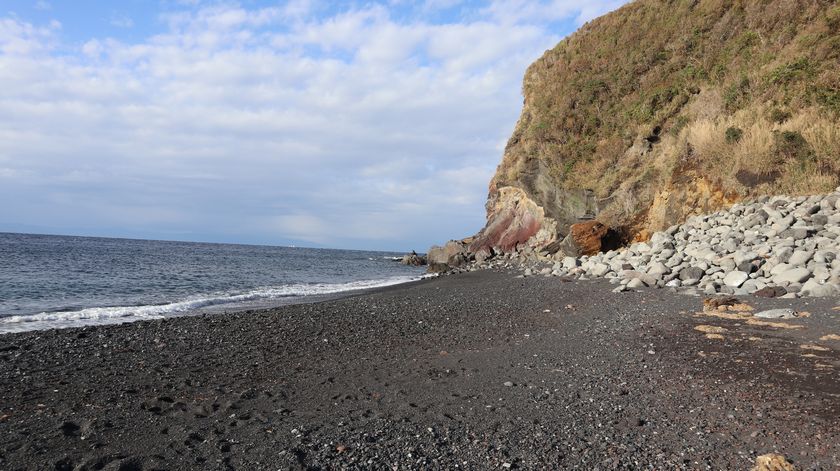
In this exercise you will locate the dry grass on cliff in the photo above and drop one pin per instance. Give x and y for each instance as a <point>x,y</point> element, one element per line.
<point>753,156</point>
<point>742,93</point>
<point>746,153</point>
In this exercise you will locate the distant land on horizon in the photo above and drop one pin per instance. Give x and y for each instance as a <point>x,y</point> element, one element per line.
<point>218,242</point>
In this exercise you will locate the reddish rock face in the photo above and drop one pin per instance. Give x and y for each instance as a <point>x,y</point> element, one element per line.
<point>506,231</point>
<point>512,220</point>
<point>588,236</point>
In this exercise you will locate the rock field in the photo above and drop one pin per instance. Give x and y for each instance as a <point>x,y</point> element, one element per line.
<point>771,247</point>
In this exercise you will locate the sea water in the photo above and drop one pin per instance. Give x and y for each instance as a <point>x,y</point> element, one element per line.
<point>51,281</point>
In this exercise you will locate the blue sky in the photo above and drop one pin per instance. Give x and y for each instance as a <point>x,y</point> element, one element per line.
<point>371,125</point>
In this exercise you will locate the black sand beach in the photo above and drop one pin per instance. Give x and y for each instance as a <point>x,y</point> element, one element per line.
<point>474,371</point>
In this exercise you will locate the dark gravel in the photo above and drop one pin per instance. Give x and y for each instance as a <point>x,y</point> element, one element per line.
<point>475,371</point>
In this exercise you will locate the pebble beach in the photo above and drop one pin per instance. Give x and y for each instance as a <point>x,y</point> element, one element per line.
<point>479,370</point>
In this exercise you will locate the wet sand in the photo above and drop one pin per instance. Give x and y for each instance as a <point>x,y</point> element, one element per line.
<point>476,371</point>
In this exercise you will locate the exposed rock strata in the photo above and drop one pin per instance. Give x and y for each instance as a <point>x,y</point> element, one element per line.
<point>512,220</point>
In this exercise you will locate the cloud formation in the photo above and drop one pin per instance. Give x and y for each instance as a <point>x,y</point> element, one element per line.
<point>371,126</point>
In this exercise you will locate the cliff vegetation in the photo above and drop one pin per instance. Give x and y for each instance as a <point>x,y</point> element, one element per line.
<point>664,109</point>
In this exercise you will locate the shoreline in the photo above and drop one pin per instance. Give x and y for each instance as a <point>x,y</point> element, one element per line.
<point>211,309</point>
<point>479,370</point>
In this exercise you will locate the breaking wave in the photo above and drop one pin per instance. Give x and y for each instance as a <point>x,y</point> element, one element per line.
<point>122,314</point>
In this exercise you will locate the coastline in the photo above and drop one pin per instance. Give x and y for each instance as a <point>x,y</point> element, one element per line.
<point>478,370</point>
<point>227,304</point>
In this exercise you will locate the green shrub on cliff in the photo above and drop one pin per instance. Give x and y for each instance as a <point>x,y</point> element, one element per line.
<point>698,70</point>
<point>733,134</point>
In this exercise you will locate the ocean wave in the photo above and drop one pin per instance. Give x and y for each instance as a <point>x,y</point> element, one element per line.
<point>122,314</point>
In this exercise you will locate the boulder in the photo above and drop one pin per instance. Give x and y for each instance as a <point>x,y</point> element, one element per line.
<point>792,275</point>
<point>770,292</point>
<point>657,269</point>
<point>636,283</point>
<point>631,275</point>
<point>817,290</point>
<point>781,268</point>
<point>437,268</point>
<point>800,257</point>
<point>584,238</point>
<point>484,253</point>
<point>453,254</point>
<point>825,256</point>
<point>413,259</point>
<point>735,279</point>
<point>599,269</point>
<point>691,273</point>
<point>570,262</point>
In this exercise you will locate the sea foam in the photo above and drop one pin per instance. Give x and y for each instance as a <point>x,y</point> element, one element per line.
<point>122,314</point>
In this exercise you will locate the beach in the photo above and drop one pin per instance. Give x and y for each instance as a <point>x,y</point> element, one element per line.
<point>480,370</point>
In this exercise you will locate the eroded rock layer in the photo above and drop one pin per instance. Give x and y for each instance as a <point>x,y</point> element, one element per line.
<point>512,219</point>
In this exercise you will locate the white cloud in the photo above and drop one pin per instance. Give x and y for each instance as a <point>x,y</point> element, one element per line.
<point>271,124</point>
<point>121,21</point>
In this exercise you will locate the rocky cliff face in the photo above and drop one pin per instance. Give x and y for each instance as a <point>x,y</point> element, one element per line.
<point>666,109</point>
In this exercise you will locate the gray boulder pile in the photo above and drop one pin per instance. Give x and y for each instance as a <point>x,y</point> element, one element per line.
<point>774,246</point>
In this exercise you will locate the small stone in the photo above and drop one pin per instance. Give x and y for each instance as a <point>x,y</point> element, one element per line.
<point>770,292</point>
<point>508,384</point>
<point>784,313</point>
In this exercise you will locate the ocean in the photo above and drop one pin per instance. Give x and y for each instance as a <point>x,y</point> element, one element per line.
<point>49,281</point>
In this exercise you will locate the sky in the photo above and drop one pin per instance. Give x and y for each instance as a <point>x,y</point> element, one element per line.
<point>369,125</point>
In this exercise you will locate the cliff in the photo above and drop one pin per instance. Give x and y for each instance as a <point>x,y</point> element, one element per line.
<point>665,109</point>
